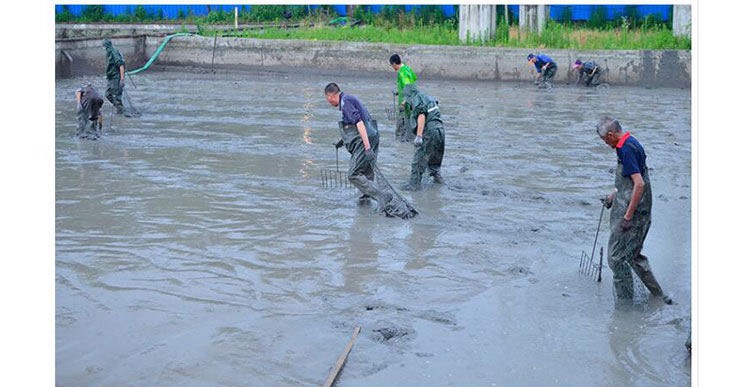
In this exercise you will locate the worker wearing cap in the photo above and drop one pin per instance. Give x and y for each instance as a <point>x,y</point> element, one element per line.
<point>587,71</point>
<point>545,67</point>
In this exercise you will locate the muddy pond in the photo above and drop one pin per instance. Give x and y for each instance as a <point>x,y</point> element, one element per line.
<point>196,246</point>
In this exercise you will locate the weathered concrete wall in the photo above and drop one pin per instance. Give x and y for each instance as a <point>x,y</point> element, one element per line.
<point>87,56</point>
<point>653,68</point>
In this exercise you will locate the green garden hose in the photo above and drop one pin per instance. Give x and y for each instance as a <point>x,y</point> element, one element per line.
<point>158,51</point>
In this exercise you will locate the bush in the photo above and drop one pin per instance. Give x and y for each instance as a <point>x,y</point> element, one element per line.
<point>64,16</point>
<point>93,13</point>
<point>140,13</point>
<point>598,18</point>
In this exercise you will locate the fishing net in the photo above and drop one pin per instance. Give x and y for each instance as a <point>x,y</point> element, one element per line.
<point>640,291</point>
<point>396,206</point>
<point>130,109</point>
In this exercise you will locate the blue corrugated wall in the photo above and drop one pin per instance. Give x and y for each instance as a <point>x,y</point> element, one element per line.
<point>583,12</point>
<point>169,11</point>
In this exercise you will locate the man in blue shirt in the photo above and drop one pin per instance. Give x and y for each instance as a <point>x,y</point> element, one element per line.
<point>630,217</point>
<point>359,133</point>
<point>545,67</point>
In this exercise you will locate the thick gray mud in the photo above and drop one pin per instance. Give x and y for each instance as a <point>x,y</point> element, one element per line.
<point>195,245</point>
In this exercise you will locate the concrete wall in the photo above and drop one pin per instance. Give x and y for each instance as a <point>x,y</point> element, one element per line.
<point>653,68</point>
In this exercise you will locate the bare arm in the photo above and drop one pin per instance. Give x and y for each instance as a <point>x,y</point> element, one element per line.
<point>363,134</point>
<point>635,198</point>
<point>420,124</point>
<point>122,73</point>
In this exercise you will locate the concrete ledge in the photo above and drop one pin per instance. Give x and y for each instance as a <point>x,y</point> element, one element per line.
<point>652,68</point>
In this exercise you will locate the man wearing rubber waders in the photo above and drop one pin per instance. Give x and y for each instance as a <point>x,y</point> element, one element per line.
<point>429,140</point>
<point>545,68</point>
<point>588,72</point>
<point>630,216</point>
<point>115,75</point>
<point>88,112</point>
<point>405,76</point>
<point>359,133</point>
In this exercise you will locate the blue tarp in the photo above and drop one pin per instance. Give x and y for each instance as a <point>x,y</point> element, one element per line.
<point>169,11</point>
<point>584,12</point>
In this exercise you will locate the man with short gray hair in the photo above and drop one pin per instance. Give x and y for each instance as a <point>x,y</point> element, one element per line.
<point>359,133</point>
<point>630,217</point>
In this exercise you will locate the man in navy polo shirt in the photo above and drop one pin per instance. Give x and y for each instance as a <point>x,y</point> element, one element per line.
<point>545,67</point>
<point>359,133</point>
<point>630,216</point>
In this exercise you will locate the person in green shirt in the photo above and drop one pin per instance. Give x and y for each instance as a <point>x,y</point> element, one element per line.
<point>405,77</point>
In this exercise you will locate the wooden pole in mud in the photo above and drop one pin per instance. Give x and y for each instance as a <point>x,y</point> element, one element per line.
<point>342,359</point>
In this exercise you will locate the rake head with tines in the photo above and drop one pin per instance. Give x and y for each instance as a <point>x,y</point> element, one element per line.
<point>390,114</point>
<point>331,178</point>
<point>334,179</point>
<point>589,268</point>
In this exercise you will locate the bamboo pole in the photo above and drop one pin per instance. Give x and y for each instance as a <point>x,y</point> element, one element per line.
<point>342,358</point>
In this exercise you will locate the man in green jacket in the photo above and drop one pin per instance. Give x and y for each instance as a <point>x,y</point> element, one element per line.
<point>429,138</point>
<point>405,77</point>
<point>115,75</point>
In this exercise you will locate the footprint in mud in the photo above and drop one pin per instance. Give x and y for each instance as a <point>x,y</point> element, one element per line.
<point>438,317</point>
<point>387,332</point>
<point>383,306</point>
<point>519,271</point>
